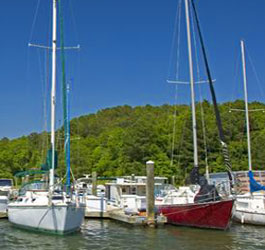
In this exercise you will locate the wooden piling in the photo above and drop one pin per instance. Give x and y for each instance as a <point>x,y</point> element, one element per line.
<point>94,183</point>
<point>150,199</point>
<point>173,180</point>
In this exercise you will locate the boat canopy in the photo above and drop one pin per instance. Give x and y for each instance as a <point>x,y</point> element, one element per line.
<point>30,172</point>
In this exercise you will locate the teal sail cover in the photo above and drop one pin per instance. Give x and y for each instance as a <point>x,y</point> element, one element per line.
<point>48,164</point>
<point>66,104</point>
<point>253,184</point>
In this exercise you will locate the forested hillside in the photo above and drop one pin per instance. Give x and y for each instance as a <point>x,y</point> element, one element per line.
<point>118,141</point>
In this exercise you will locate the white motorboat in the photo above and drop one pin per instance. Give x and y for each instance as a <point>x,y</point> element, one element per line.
<point>95,205</point>
<point>84,185</point>
<point>129,192</point>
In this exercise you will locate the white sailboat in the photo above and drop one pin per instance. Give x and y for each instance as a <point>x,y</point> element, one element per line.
<point>249,208</point>
<point>48,208</point>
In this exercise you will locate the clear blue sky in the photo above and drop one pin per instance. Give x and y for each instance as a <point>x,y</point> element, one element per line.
<point>124,56</point>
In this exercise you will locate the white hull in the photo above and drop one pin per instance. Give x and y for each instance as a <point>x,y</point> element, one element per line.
<point>249,217</point>
<point>95,204</point>
<point>57,218</point>
<point>250,210</point>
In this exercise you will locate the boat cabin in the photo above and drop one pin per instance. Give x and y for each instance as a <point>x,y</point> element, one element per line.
<point>130,191</point>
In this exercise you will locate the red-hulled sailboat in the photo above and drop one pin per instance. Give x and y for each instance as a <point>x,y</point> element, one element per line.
<point>215,214</point>
<point>208,209</point>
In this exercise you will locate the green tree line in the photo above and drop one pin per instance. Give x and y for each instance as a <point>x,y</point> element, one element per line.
<point>118,141</point>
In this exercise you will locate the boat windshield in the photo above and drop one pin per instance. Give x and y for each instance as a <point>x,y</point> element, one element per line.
<point>5,182</point>
<point>36,185</point>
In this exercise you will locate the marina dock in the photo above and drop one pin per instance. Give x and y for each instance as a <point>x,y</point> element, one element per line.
<point>3,215</point>
<point>118,214</point>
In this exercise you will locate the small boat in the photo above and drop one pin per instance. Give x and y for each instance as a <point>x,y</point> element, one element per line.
<point>84,185</point>
<point>95,205</point>
<point>129,192</point>
<point>45,205</point>
<point>205,208</point>
<point>249,207</point>
<point>5,190</point>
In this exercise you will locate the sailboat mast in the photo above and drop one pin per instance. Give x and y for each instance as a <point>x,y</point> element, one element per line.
<point>246,102</point>
<point>194,126</point>
<point>67,140</point>
<point>53,92</point>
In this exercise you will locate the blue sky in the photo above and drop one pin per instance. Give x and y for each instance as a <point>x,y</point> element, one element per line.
<point>125,55</point>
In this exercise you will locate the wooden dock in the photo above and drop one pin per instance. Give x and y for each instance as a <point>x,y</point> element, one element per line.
<point>3,215</point>
<point>118,214</point>
<point>97,215</point>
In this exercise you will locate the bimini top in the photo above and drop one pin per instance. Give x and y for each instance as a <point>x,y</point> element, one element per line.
<point>30,172</point>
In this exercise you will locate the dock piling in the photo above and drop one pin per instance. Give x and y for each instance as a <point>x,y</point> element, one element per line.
<point>94,183</point>
<point>150,199</point>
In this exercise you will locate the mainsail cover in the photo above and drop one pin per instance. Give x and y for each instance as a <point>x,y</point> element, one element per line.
<point>253,184</point>
<point>216,110</point>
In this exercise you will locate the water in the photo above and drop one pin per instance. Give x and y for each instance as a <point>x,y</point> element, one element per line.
<point>108,234</point>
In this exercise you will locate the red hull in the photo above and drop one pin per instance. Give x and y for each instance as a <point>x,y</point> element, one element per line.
<point>215,214</point>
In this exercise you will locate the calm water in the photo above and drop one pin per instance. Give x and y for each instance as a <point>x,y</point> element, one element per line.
<point>107,234</point>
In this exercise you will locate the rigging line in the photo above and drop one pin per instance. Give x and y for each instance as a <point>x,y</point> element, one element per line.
<point>255,73</point>
<point>34,20</point>
<point>45,125</point>
<point>217,113</point>
<point>176,87</point>
<point>233,93</point>
<point>78,122</point>
<point>205,144</point>
<point>195,46</point>
<point>174,126</point>
<point>176,29</point>
<point>182,137</point>
<point>73,20</point>
<point>46,135</point>
<point>178,45</point>
<point>43,88</point>
<point>235,79</point>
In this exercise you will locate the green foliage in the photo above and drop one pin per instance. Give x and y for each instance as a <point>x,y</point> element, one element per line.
<point>118,141</point>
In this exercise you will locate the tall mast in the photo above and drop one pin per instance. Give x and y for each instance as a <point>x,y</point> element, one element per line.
<point>53,92</point>
<point>194,126</point>
<point>67,140</point>
<point>246,102</point>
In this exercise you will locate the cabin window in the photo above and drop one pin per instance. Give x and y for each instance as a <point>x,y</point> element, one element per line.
<point>5,182</point>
